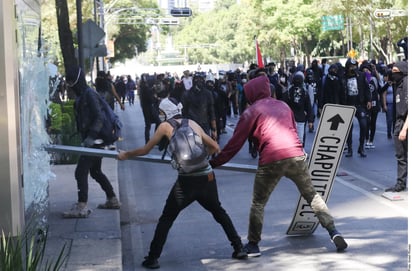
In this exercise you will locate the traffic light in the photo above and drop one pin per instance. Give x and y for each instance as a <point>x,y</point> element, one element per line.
<point>382,13</point>
<point>181,12</point>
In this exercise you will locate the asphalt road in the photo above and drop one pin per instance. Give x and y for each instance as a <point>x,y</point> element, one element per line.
<point>375,228</point>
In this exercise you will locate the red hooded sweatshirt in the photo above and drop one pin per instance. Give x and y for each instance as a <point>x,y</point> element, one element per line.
<point>268,122</point>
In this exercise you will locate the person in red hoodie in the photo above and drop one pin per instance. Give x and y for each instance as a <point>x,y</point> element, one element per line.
<point>271,125</point>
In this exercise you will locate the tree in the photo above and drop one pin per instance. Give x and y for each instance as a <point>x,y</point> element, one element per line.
<point>65,34</point>
<point>130,40</point>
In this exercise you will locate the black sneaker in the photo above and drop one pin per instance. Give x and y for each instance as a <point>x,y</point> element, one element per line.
<point>395,188</point>
<point>150,263</point>
<point>252,250</point>
<point>239,253</point>
<point>338,240</point>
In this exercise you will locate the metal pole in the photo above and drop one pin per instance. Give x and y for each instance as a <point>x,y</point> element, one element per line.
<point>146,158</point>
<point>347,33</point>
<point>350,32</point>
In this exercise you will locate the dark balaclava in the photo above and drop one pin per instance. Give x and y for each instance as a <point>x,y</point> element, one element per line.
<point>198,83</point>
<point>351,66</point>
<point>210,84</point>
<point>75,79</point>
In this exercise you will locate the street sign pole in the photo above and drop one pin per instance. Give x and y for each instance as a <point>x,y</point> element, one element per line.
<point>327,149</point>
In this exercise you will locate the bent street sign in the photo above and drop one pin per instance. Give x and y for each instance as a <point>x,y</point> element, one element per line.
<point>327,149</point>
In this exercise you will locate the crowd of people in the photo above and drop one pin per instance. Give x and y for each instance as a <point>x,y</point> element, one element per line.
<point>282,101</point>
<point>210,98</point>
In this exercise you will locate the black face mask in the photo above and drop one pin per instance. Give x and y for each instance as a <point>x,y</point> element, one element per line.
<point>198,85</point>
<point>351,71</point>
<point>396,77</point>
<point>209,86</point>
<point>333,72</point>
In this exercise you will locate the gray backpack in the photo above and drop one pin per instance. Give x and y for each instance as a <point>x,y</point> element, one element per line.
<point>186,148</point>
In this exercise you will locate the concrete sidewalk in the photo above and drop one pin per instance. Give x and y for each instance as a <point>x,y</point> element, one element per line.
<point>92,243</point>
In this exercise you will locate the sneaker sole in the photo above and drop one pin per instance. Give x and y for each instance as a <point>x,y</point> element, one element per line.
<point>151,266</point>
<point>65,215</point>
<point>102,206</point>
<point>339,242</point>
<point>240,256</point>
<point>254,254</point>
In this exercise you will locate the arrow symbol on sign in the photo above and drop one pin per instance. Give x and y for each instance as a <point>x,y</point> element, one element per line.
<point>335,120</point>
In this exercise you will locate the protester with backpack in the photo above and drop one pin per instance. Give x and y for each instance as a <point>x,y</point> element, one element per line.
<point>91,122</point>
<point>195,182</point>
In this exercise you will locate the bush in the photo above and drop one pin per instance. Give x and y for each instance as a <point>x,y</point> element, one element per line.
<point>26,252</point>
<point>63,131</point>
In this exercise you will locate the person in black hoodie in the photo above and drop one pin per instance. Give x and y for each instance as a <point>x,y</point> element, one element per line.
<point>357,94</point>
<point>149,104</point>
<point>399,77</point>
<point>299,102</point>
<point>89,120</point>
<point>374,89</point>
<point>331,90</point>
<point>198,105</point>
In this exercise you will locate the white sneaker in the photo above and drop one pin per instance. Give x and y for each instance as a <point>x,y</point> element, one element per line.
<point>79,210</point>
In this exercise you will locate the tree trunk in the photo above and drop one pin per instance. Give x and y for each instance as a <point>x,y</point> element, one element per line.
<point>65,34</point>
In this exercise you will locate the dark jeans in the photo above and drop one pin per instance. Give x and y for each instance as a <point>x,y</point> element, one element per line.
<point>401,153</point>
<point>362,121</point>
<point>93,165</point>
<point>185,191</point>
<point>371,125</point>
<point>389,119</point>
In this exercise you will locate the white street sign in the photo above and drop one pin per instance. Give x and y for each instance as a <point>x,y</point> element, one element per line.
<point>327,149</point>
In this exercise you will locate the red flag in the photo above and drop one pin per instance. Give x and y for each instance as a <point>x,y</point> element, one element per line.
<point>259,58</point>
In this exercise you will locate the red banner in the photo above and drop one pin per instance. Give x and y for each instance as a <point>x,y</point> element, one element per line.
<point>259,58</point>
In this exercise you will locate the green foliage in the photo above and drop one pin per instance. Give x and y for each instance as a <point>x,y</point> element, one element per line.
<point>63,130</point>
<point>226,33</point>
<point>129,40</point>
<point>284,25</point>
<point>27,252</point>
<point>55,118</point>
<point>218,37</point>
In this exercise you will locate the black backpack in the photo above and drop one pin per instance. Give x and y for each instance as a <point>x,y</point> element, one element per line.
<point>186,148</point>
<point>111,130</point>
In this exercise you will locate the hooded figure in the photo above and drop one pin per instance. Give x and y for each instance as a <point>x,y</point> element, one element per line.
<point>400,131</point>
<point>89,119</point>
<point>76,80</point>
<point>301,105</point>
<point>356,89</point>
<point>263,119</point>
<point>270,124</point>
<point>170,108</point>
<point>351,67</point>
<point>401,92</point>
